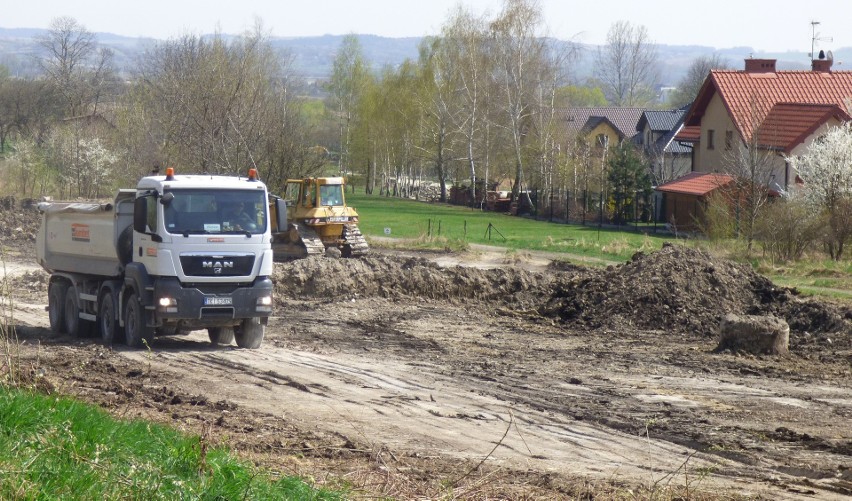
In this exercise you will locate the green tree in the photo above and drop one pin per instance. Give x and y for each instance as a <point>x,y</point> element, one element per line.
<point>629,181</point>
<point>349,78</point>
<point>580,96</point>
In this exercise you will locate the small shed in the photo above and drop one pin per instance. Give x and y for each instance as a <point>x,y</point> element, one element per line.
<point>684,200</point>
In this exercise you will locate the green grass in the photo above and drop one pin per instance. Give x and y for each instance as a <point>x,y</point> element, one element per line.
<point>56,448</point>
<point>411,219</point>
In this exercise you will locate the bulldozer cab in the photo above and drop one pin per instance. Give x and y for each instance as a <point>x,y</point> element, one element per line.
<point>318,218</point>
<point>310,193</point>
<point>331,195</point>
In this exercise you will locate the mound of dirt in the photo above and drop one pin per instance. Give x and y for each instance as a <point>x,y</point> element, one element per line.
<point>408,277</point>
<point>682,290</point>
<point>19,222</point>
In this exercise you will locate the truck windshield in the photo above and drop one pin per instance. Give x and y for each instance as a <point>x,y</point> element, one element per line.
<point>216,211</point>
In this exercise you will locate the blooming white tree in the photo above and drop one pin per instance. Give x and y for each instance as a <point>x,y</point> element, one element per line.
<point>826,169</point>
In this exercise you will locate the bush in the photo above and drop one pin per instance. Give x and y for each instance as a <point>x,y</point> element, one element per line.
<point>786,228</point>
<point>719,221</point>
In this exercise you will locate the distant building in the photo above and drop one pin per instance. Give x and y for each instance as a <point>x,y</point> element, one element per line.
<point>778,112</point>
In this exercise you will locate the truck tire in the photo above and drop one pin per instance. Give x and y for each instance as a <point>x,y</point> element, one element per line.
<point>56,306</point>
<point>249,334</point>
<point>72,313</point>
<point>221,335</point>
<point>107,320</point>
<point>136,333</point>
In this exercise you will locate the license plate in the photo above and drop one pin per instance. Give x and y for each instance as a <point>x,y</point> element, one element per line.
<point>218,301</point>
<point>338,219</point>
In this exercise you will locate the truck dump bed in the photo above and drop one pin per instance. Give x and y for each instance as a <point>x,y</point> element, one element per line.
<point>82,237</point>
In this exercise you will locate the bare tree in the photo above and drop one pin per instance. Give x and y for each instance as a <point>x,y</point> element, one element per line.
<point>690,84</point>
<point>220,106</point>
<point>751,162</point>
<point>81,74</point>
<point>77,68</point>
<point>627,65</point>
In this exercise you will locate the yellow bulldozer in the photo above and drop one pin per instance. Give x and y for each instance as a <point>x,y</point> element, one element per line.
<point>319,221</point>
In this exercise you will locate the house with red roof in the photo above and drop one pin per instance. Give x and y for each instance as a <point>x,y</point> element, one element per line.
<point>779,113</point>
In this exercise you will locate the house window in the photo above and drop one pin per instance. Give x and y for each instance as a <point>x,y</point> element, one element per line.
<point>710,134</point>
<point>729,139</point>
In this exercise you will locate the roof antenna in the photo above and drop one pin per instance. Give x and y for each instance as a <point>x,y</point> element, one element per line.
<point>816,38</point>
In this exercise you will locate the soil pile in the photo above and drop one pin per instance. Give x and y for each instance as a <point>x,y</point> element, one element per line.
<point>401,277</point>
<point>19,222</point>
<point>682,290</point>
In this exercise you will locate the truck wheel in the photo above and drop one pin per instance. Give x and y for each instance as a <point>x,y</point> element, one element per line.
<point>249,334</point>
<point>221,335</point>
<point>107,322</point>
<point>56,306</point>
<point>136,333</point>
<point>72,313</point>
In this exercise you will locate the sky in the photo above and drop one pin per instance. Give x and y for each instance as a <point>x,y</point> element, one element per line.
<point>765,25</point>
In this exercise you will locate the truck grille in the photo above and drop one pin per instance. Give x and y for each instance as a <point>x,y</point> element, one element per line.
<point>232,265</point>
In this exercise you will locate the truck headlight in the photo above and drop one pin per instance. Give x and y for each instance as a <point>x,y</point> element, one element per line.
<point>169,304</point>
<point>264,304</point>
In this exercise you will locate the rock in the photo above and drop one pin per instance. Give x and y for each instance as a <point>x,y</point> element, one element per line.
<point>756,334</point>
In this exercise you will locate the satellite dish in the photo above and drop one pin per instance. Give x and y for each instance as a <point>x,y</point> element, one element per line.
<point>829,56</point>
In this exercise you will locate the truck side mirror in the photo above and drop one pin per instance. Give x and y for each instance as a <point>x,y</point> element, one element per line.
<point>167,198</point>
<point>140,215</point>
<point>281,214</point>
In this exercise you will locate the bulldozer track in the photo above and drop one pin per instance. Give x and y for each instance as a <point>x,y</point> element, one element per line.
<point>311,241</point>
<point>355,240</point>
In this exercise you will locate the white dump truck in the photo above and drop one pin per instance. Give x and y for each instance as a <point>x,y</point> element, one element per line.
<point>176,254</point>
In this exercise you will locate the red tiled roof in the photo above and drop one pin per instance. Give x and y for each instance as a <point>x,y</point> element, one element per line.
<point>696,183</point>
<point>689,134</point>
<point>750,96</point>
<point>788,124</point>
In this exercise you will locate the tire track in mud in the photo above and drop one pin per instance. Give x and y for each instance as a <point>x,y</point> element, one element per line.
<point>414,407</point>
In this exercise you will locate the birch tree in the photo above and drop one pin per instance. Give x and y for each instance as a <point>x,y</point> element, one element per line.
<point>347,85</point>
<point>519,52</point>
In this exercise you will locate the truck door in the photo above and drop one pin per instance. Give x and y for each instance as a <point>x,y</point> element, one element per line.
<point>145,238</point>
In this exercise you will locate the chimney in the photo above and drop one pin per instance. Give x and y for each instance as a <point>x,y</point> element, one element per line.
<point>822,64</point>
<point>760,65</point>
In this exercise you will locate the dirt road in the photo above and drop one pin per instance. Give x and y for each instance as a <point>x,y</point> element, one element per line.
<point>405,379</point>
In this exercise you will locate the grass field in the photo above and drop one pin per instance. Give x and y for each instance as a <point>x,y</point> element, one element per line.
<point>455,226</point>
<point>56,448</point>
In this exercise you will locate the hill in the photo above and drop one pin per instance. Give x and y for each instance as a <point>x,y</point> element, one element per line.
<point>314,56</point>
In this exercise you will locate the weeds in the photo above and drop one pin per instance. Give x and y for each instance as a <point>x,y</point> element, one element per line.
<point>10,365</point>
